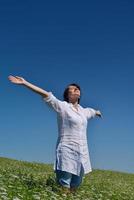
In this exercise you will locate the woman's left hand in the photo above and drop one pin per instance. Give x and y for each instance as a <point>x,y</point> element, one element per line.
<point>98,113</point>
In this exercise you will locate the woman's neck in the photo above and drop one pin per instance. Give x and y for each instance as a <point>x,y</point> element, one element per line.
<point>74,103</point>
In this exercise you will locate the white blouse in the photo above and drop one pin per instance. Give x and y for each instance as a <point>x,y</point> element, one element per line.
<point>72,148</point>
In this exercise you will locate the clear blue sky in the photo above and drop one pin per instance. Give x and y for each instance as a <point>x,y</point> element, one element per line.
<point>55,43</point>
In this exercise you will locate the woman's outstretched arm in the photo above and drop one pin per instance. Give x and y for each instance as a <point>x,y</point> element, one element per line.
<point>22,81</point>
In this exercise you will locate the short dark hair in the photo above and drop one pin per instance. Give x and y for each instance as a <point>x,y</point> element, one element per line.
<point>65,94</point>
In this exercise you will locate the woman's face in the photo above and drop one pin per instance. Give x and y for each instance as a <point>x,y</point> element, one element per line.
<point>73,94</point>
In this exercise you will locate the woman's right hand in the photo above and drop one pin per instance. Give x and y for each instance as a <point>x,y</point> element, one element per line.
<point>16,79</point>
<point>34,88</point>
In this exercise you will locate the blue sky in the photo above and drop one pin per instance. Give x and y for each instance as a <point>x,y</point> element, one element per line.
<point>52,44</point>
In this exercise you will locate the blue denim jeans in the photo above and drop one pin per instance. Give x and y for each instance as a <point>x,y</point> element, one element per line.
<point>69,180</point>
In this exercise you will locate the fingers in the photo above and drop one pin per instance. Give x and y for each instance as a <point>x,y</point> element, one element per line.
<point>11,78</point>
<point>15,79</point>
<point>101,115</point>
<point>18,77</point>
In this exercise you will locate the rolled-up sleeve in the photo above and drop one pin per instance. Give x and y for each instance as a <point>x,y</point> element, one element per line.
<point>90,113</point>
<point>53,102</point>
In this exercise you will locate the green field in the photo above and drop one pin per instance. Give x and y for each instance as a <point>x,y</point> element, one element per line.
<point>35,181</point>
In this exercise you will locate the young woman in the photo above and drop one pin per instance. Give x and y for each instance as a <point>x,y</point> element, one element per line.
<point>72,156</point>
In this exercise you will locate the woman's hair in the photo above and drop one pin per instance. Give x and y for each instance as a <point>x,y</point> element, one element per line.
<point>65,94</point>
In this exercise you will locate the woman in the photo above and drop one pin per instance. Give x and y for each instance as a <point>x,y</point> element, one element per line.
<point>72,156</point>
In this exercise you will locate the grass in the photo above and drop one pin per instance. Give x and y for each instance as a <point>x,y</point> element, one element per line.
<point>21,180</point>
